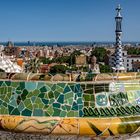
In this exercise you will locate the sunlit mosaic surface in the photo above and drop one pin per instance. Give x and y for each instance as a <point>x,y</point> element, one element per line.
<point>101,108</point>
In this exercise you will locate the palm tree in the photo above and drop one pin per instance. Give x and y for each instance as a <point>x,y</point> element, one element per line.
<point>34,65</point>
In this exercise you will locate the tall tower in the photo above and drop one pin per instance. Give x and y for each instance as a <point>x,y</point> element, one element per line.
<point>118,60</point>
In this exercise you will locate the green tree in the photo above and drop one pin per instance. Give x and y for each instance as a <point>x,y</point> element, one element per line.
<point>58,69</point>
<point>105,68</point>
<point>100,53</point>
<point>34,65</point>
<point>45,60</point>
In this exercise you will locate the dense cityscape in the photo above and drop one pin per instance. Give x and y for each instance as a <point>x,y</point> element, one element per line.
<point>70,58</point>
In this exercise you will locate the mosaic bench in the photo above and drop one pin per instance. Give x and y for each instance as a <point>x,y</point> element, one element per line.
<point>104,105</point>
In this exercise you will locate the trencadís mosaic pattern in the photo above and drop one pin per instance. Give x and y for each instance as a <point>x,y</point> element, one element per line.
<point>69,99</point>
<point>103,107</point>
<point>41,99</point>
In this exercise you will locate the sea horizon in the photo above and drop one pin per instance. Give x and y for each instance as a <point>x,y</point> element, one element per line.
<point>65,43</point>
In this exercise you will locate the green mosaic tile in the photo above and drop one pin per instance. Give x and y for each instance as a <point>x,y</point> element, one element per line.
<point>89,91</point>
<point>78,87</point>
<point>68,95</point>
<point>46,114</point>
<point>41,95</point>
<point>56,94</point>
<point>19,88</point>
<point>86,97</point>
<point>14,84</point>
<point>92,104</point>
<point>61,99</point>
<point>53,87</point>
<point>80,107</point>
<point>68,107</point>
<point>30,86</point>
<point>22,85</point>
<point>45,101</point>
<point>6,99</point>
<point>18,100</point>
<point>70,101</point>
<point>50,110</point>
<point>36,105</point>
<point>37,112</point>
<point>70,114</point>
<point>21,106</point>
<point>2,90</point>
<point>67,89</point>
<point>33,93</point>
<point>80,101</point>
<point>43,89</point>
<point>50,95</point>
<point>79,94</point>
<point>24,94</point>
<point>72,88</point>
<point>59,89</point>
<point>89,86</point>
<point>22,99</point>
<point>61,85</point>
<point>38,100</point>
<point>33,99</point>
<point>26,112</point>
<point>4,104</point>
<point>63,107</point>
<point>86,103</point>
<point>1,102</point>
<point>40,85</point>
<point>51,101</point>
<point>30,107</point>
<point>76,114</point>
<point>10,108</point>
<point>63,113</point>
<point>83,86</point>
<point>81,113</point>
<point>56,105</point>
<point>1,82</point>
<point>3,110</point>
<point>15,112</point>
<point>75,107</point>
<point>27,102</point>
<point>46,106</point>
<point>13,103</point>
<point>56,112</point>
<point>9,89</point>
<point>41,105</point>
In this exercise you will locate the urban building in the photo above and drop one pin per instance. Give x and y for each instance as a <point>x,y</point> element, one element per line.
<point>130,62</point>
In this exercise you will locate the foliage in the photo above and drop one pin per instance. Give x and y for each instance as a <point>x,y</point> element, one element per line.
<point>100,53</point>
<point>105,68</point>
<point>58,69</point>
<point>33,66</point>
<point>45,60</point>
<point>64,59</point>
<point>133,51</point>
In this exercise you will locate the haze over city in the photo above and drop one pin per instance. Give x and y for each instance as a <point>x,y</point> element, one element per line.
<point>67,20</point>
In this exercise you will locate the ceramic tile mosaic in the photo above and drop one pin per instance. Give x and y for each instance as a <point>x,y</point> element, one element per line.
<point>41,99</point>
<point>102,108</point>
<point>69,99</point>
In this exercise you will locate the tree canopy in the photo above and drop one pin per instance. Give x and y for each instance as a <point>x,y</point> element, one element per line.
<point>100,53</point>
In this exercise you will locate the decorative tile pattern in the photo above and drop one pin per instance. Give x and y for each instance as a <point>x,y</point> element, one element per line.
<point>73,108</point>
<point>41,99</point>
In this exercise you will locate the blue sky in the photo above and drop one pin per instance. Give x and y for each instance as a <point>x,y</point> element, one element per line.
<point>67,20</point>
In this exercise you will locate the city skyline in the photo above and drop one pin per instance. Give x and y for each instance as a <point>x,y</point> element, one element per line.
<point>71,20</point>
